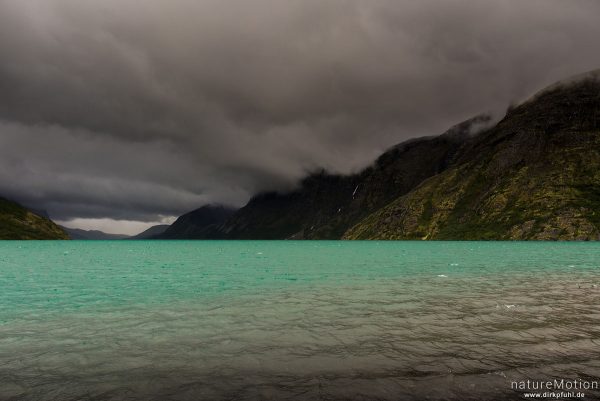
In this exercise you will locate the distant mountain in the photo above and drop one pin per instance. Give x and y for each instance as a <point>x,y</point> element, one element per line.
<point>19,223</point>
<point>533,175</point>
<point>78,234</point>
<point>152,232</point>
<point>199,224</point>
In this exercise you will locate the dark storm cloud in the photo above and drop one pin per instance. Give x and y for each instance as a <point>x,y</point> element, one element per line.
<point>138,109</point>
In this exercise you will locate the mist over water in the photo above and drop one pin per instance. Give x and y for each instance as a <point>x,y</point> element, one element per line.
<point>142,320</point>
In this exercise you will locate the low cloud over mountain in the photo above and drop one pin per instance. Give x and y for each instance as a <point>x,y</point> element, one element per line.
<point>139,111</point>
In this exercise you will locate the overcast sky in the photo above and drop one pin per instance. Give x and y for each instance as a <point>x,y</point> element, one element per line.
<point>118,114</point>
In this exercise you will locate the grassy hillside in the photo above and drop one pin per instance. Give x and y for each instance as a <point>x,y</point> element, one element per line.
<point>18,223</point>
<point>535,176</point>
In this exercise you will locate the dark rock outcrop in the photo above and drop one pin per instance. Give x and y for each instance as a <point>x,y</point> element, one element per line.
<point>152,233</point>
<point>199,224</point>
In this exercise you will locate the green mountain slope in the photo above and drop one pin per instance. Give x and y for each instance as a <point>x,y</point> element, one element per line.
<point>536,175</point>
<point>18,223</point>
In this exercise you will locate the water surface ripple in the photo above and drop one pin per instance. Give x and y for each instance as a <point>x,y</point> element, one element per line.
<point>142,320</point>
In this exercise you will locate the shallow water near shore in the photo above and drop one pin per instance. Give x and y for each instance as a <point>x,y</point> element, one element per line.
<point>254,320</point>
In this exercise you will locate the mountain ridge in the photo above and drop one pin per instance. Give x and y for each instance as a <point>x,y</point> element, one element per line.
<point>499,182</point>
<point>198,224</point>
<point>152,232</point>
<point>326,205</point>
<point>91,235</point>
<point>532,176</point>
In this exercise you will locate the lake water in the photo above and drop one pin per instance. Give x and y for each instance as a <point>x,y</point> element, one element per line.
<point>143,320</point>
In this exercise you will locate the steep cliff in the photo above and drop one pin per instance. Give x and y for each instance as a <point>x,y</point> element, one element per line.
<point>199,224</point>
<point>535,175</point>
<point>326,206</point>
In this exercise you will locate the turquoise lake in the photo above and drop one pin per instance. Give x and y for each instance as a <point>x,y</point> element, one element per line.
<point>259,320</point>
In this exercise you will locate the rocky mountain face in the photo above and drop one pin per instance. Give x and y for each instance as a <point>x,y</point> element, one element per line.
<point>152,232</point>
<point>199,224</point>
<point>325,206</point>
<point>19,223</point>
<point>533,175</point>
